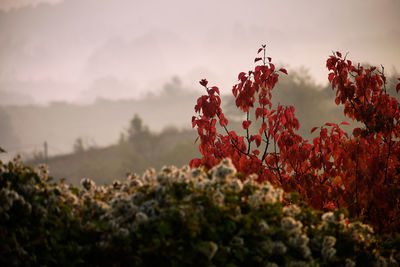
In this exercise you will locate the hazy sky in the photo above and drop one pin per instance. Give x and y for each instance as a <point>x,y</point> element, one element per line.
<point>77,50</point>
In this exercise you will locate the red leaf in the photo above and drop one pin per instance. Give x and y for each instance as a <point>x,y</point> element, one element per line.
<point>261,112</point>
<point>313,129</point>
<point>259,50</point>
<point>258,140</point>
<point>195,163</point>
<point>193,121</point>
<point>241,75</point>
<point>339,54</point>
<point>398,87</point>
<point>246,124</point>
<point>283,70</point>
<point>257,59</point>
<point>269,59</point>
<point>216,89</point>
<point>256,152</point>
<point>356,132</point>
<point>272,66</point>
<point>204,82</point>
<point>330,76</point>
<point>263,127</point>
<point>324,133</point>
<point>345,123</point>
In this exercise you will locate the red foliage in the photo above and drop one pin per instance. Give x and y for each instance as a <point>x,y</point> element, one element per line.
<point>360,172</point>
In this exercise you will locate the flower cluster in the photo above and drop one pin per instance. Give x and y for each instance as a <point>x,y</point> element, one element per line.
<point>178,216</point>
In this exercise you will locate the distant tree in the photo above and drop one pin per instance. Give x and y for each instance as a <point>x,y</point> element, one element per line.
<point>78,145</point>
<point>137,130</point>
<point>122,138</point>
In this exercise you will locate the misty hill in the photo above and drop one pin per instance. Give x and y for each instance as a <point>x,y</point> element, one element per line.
<point>135,152</point>
<point>98,124</point>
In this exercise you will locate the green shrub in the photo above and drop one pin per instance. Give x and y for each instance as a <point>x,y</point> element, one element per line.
<point>177,217</point>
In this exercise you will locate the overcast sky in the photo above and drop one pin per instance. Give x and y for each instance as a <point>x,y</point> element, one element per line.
<point>77,50</point>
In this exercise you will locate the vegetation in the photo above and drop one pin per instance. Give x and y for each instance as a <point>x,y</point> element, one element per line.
<point>268,198</point>
<point>176,217</point>
<point>360,172</point>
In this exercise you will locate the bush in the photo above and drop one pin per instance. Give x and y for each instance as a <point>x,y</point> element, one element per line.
<point>177,217</point>
<point>359,172</point>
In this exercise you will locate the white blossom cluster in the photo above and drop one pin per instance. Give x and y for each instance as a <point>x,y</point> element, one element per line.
<point>10,198</point>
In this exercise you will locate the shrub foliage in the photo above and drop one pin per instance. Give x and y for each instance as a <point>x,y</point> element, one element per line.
<point>176,217</point>
<point>360,172</point>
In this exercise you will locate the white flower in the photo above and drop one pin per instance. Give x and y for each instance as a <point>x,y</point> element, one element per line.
<point>264,227</point>
<point>305,251</point>
<point>135,182</point>
<point>208,249</point>
<point>71,198</point>
<point>168,169</point>
<point>254,200</point>
<point>7,198</point>
<point>43,172</point>
<point>274,247</point>
<point>123,232</point>
<point>278,247</point>
<point>28,189</point>
<point>251,181</point>
<point>100,206</point>
<point>234,185</point>
<point>100,190</point>
<point>329,241</point>
<point>149,176</point>
<point>291,210</point>
<point>183,179</point>
<point>291,225</point>
<point>328,253</point>
<point>299,241</point>
<point>141,218</point>
<point>88,184</point>
<point>350,263</point>
<point>218,197</point>
<point>202,184</point>
<point>266,195</point>
<point>328,217</point>
<point>117,184</point>
<point>361,232</point>
<point>137,197</point>
<point>198,174</point>
<point>223,170</point>
<point>149,207</point>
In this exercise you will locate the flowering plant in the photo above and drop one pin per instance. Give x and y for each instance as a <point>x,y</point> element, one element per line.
<point>360,172</point>
<point>174,217</point>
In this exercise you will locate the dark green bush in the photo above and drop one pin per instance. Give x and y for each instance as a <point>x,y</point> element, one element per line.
<point>177,217</point>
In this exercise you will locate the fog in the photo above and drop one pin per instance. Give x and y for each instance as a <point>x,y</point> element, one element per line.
<point>78,50</point>
<point>82,68</point>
